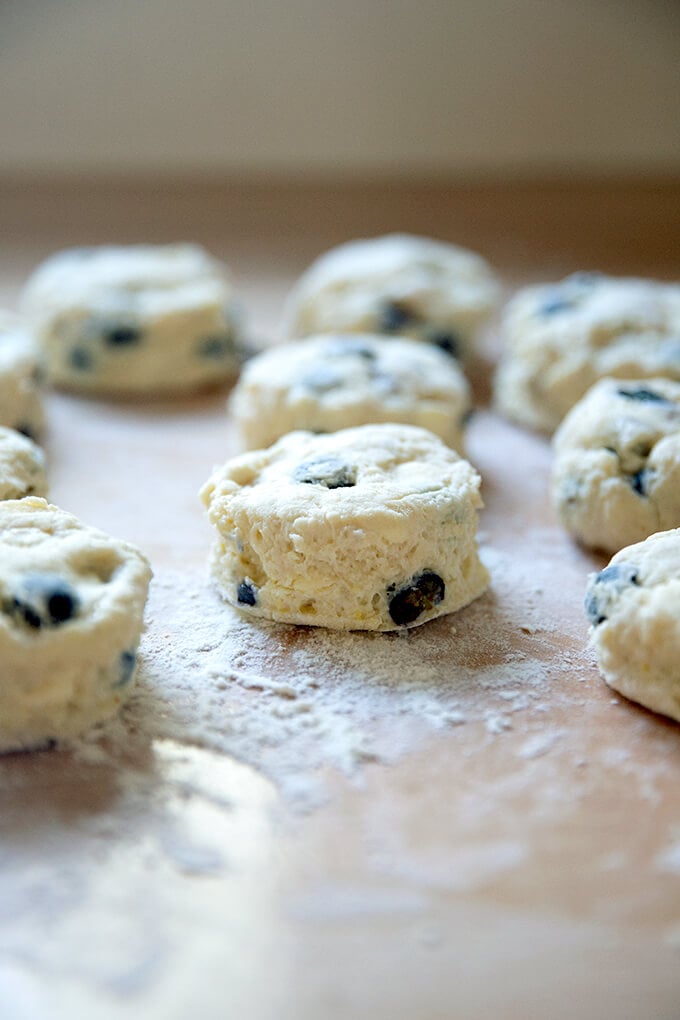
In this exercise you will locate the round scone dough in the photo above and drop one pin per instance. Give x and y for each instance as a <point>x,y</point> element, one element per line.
<point>331,382</point>
<point>371,528</point>
<point>634,608</point>
<point>22,466</point>
<point>21,406</point>
<point>616,470</point>
<point>396,284</point>
<point>134,319</point>
<point>71,607</point>
<point>561,338</point>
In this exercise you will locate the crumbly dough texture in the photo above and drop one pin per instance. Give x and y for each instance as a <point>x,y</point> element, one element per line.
<point>22,466</point>
<point>370,528</point>
<point>634,608</point>
<point>21,405</point>
<point>396,284</point>
<point>337,381</point>
<point>134,319</point>
<point>71,607</point>
<point>561,338</point>
<point>616,470</point>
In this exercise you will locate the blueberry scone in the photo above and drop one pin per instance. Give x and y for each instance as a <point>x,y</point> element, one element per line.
<point>332,382</point>
<point>634,608</point>
<point>21,405</point>
<point>398,284</point>
<point>71,607</point>
<point>135,319</point>
<point>22,466</point>
<point>616,470</point>
<point>561,338</point>
<point>370,528</point>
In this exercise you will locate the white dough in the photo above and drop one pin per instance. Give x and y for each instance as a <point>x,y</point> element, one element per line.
<point>136,319</point>
<point>337,381</point>
<point>561,338</point>
<point>71,606</point>
<point>634,607</point>
<point>20,396</point>
<point>22,466</point>
<point>397,284</point>
<point>370,528</point>
<point>616,472</point>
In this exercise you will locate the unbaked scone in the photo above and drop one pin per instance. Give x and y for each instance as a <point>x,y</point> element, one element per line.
<point>21,406</point>
<point>331,382</point>
<point>134,319</point>
<point>371,528</point>
<point>561,338</point>
<point>616,470</point>
<point>396,284</point>
<point>71,607</point>
<point>634,608</point>
<point>22,466</point>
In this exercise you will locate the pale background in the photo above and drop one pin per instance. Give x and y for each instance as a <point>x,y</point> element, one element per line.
<point>340,86</point>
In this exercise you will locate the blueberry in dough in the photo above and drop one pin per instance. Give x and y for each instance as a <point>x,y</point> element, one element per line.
<point>396,315</point>
<point>447,341</point>
<point>643,394</point>
<point>327,471</point>
<point>128,661</point>
<point>605,586</point>
<point>80,359</point>
<point>122,336</point>
<point>422,593</point>
<point>44,600</point>
<point>554,305</point>
<point>245,594</point>
<point>216,347</point>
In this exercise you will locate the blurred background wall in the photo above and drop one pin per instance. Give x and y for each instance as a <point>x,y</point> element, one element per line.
<point>348,87</point>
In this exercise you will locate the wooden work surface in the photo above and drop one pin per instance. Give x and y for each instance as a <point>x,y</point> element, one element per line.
<point>463,822</point>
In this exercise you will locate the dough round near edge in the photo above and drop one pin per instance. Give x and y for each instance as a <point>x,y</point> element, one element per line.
<point>398,284</point>
<point>136,319</point>
<point>616,466</point>
<point>634,608</point>
<point>371,528</point>
<point>22,466</point>
<point>336,381</point>
<point>560,338</point>
<point>71,609</point>
<point>21,406</point>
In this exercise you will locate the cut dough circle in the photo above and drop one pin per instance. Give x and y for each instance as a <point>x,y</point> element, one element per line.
<point>71,607</point>
<point>134,319</point>
<point>561,338</point>
<point>397,284</point>
<point>22,466</point>
<point>370,528</point>
<point>616,470</point>
<point>339,381</point>
<point>634,608</point>
<point>21,406</point>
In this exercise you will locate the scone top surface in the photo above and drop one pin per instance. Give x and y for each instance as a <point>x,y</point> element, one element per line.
<point>71,607</point>
<point>137,318</point>
<point>561,338</point>
<point>20,397</point>
<point>329,530</point>
<point>335,381</point>
<point>396,284</point>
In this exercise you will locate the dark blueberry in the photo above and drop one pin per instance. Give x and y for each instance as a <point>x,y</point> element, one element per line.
<point>353,348</point>
<point>321,379</point>
<point>604,587</point>
<point>422,593</point>
<point>446,340</point>
<point>44,600</point>
<point>127,664</point>
<point>26,430</point>
<point>122,336</point>
<point>327,471</point>
<point>637,482</point>
<point>642,394</point>
<point>80,359</point>
<point>395,316</point>
<point>245,594</point>
<point>554,305</point>
<point>467,417</point>
<point>215,347</point>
